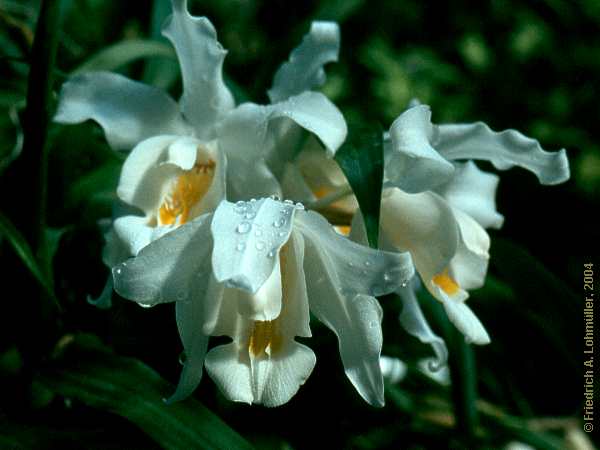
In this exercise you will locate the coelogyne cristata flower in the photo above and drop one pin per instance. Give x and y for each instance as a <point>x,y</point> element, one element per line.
<point>434,206</point>
<point>186,157</point>
<point>252,271</point>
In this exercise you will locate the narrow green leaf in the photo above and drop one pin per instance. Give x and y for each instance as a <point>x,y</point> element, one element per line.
<point>127,387</point>
<point>125,52</point>
<point>24,252</point>
<point>361,159</point>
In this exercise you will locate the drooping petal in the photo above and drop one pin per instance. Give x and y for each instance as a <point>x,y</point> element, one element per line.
<point>412,164</point>
<point>304,70</point>
<point>151,167</point>
<point>414,322</point>
<point>128,111</point>
<point>190,316</point>
<point>422,224</point>
<point>340,277</point>
<point>464,319</point>
<point>248,237</point>
<point>504,149</point>
<point>355,268</point>
<point>473,191</point>
<point>205,96</point>
<point>264,364</point>
<point>167,269</point>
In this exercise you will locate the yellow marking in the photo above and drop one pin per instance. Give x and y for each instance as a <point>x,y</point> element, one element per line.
<point>322,192</point>
<point>446,283</point>
<point>343,229</point>
<point>264,336</point>
<point>191,186</point>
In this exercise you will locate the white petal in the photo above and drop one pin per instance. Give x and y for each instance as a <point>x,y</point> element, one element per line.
<point>315,113</point>
<point>393,369</point>
<point>242,136</point>
<point>422,224</point>
<point>414,322</point>
<point>248,237</point>
<point>350,266</point>
<point>191,315</point>
<point>473,191</point>
<point>134,233</point>
<point>151,167</point>
<point>412,164</point>
<point>127,110</point>
<point>304,70</point>
<point>229,368</point>
<point>504,149</point>
<point>168,269</point>
<point>464,319</point>
<point>205,97</point>
<point>264,304</point>
<point>440,375</point>
<point>276,380</point>
<point>469,265</point>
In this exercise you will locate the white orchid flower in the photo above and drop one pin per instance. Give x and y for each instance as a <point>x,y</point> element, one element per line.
<point>186,157</point>
<point>252,271</point>
<point>437,208</point>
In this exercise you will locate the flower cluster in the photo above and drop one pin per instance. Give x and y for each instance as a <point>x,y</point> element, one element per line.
<point>210,233</point>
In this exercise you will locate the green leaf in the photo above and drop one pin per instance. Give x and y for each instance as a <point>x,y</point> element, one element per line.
<point>24,252</point>
<point>92,374</point>
<point>361,159</point>
<point>125,52</point>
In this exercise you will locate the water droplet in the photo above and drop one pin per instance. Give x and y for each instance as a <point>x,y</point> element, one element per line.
<point>281,233</point>
<point>260,245</point>
<point>300,206</point>
<point>250,215</point>
<point>182,358</point>
<point>368,263</point>
<point>288,202</point>
<point>240,247</point>
<point>387,277</point>
<point>182,294</point>
<point>243,227</point>
<point>372,324</point>
<point>252,200</point>
<point>146,305</point>
<point>279,223</point>
<point>404,284</point>
<point>258,233</point>
<point>240,204</point>
<point>350,264</point>
<point>275,197</point>
<point>271,254</point>
<point>118,271</point>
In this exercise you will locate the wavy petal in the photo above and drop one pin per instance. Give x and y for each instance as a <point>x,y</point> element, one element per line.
<point>504,149</point>
<point>128,111</point>
<point>412,164</point>
<point>205,96</point>
<point>167,269</point>
<point>473,191</point>
<point>304,70</point>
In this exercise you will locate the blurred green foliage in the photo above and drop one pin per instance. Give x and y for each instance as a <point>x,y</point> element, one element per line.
<point>530,65</point>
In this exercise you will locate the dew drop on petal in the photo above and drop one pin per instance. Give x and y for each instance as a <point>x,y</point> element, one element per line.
<point>146,305</point>
<point>279,223</point>
<point>288,202</point>
<point>249,215</point>
<point>368,263</point>
<point>243,228</point>
<point>182,358</point>
<point>260,245</point>
<point>271,254</point>
<point>240,204</point>
<point>300,206</point>
<point>240,247</point>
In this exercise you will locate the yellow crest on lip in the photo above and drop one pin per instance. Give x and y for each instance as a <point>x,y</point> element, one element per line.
<point>265,336</point>
<point>446,282</point>
<point>189,189</point>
